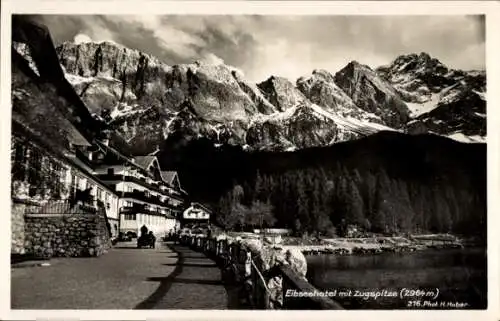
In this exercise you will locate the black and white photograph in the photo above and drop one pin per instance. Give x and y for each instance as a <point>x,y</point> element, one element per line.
<point>248,162</point>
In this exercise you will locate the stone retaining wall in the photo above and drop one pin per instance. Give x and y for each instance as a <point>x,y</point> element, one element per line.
<point>17,228</point>
<point>47,235</point>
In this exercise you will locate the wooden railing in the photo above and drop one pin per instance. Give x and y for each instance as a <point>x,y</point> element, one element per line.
<point>264,286</point>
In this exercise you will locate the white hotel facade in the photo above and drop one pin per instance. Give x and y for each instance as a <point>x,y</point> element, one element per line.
<point>147,195</point>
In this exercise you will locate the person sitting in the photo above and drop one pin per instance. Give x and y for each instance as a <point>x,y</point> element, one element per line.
<point>152,239</point>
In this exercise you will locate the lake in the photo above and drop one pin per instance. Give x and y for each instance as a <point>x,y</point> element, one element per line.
<point>459,275</point>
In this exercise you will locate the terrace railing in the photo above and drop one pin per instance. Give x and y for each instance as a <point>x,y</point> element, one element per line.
<point>262,288</point>
<point>60,207</point>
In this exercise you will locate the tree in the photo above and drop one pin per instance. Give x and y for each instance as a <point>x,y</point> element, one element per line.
<point>233,217</point>
<point>259,214</point>
<point>355,204</point>
<point>302,212</point>
<point>383,209</point>
<point>258,190</point>
<point>230,211</point>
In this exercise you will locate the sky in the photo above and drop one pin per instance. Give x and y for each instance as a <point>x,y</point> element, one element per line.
<point>287,46</point>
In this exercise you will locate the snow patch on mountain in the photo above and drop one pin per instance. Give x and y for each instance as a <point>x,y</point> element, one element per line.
<point>460,137</point>
<point>350,122</point>
<point>417,109</point>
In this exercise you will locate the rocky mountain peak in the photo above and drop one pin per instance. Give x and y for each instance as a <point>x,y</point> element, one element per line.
<point>419,64</point>
<point>281,92</point>
<point>106,59</point>
<point>372,93</point>
<point>323,75</point>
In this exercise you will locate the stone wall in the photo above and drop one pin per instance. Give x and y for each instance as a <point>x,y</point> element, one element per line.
<point>17,228</point>
<point>65,235</point>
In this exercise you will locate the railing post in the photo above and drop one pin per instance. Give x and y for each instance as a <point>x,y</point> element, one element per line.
<point>285,287</point>
<point>248,281</point>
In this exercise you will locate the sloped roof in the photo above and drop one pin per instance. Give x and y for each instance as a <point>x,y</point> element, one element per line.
<point>202,206</point>
<point>34,99</point>
<point>144,161</point>
<point>168,176</point>
<point>44,55</point>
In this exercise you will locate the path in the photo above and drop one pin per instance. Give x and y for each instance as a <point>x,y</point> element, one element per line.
<point>169,277</point>
<point>194,284</point>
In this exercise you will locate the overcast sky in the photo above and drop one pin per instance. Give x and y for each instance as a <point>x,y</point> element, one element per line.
<point>288,46</point>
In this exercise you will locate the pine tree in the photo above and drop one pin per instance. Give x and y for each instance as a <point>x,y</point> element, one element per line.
<point>302,201</point>
<point>382,217</point>
<point>403,210</point>
<point>258,191</point>
<point>356,205</point>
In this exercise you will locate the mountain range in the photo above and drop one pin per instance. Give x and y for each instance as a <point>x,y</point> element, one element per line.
<point>148,102</point>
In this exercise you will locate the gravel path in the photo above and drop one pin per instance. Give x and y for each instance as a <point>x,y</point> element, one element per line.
<point>168,277</point>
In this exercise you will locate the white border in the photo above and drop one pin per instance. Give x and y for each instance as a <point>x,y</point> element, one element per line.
<point>490,8</point>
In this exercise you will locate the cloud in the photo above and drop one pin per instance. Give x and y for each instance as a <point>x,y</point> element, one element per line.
<point>211,59</point>
<point>82,38</point>
<point>289,46</point>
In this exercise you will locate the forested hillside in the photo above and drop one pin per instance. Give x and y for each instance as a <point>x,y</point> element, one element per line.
<point>387,182</point>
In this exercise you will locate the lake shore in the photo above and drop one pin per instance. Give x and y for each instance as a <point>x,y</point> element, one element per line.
<point>380,244</point>
<point>363,245</point>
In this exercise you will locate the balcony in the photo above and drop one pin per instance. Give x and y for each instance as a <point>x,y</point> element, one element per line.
<point>141,208</point>
<point>151,186</point>
<point>143,196</point>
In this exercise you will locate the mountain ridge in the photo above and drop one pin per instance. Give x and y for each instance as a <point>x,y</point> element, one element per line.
<point>129,84</point>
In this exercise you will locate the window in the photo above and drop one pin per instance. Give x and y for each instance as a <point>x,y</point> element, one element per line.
<point>99,193</point>
<point>74,183</point>
<point>56,174</point>
<point>19,164</point>
<point>34,170</point>
<point>130,217</point>
<point>111,171</point>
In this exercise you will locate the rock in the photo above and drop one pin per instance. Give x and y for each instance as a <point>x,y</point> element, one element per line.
<point>254,245</point>
<point>297,261</point>
<point>275,286</point>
